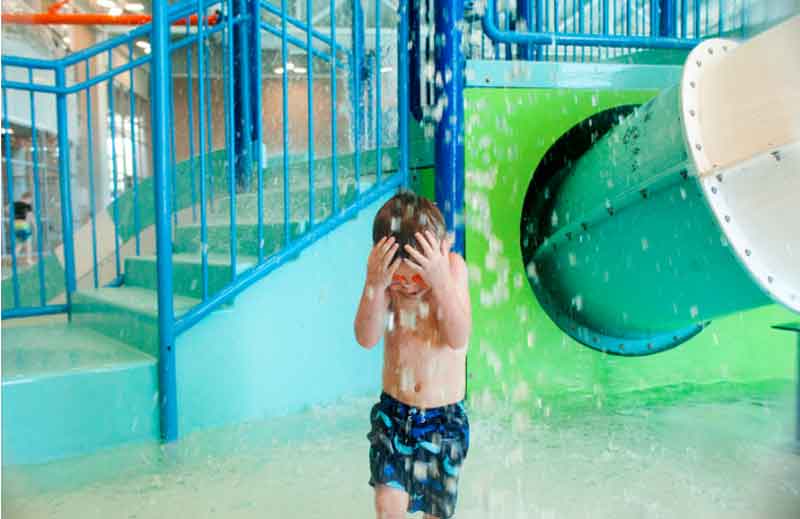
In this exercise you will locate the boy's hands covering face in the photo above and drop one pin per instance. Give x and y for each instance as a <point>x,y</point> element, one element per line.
<point>380,267</point>
<point>432,262</point>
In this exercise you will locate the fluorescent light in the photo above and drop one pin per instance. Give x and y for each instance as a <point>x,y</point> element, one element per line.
<point>278,70</point>
<point>115,11</point>
<point>9,131</point>
<point>67,40</point>
<point>143,45</point>
<point>106,4</point>
<point>290,65</point>
<point>386,69</point>
<point>300,70</point>
<point>136,8</point>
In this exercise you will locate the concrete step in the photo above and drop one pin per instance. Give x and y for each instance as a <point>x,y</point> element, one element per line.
<point>128,314</point>
<point>141,271</point>
<point>68,391</point>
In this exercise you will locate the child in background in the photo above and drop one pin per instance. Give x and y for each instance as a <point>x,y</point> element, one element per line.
<point>24,225</point>
<point>416,297</point>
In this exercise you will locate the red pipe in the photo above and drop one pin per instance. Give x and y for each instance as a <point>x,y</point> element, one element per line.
<point>56,6</point>
<point>55,18</point>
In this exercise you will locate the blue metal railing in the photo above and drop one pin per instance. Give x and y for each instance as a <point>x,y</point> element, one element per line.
<point>225,65</point>
<point>591,30</point>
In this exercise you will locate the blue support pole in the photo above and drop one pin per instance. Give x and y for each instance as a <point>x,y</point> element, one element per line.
<point>64,183</point>
<point>449,130</point>
<point>255,49</point>
<point>402,89</point>
<point>203,124</point>
<point>90,166</point>
<point>334,115</point>
<point>540,25</point>
<point>357,76</point>
<point>242,109</point>
<point>684,18</point>
<point>232,126</point>
<point>667,17</point>
<point>132,99</point>
<point>161,70</point>
<point>190,106</point>
<point>378,96</point>
<point>112,122</point>
<point>10,194</point>
<point>525,13</point>
<point>37,198</point>
<point>310,102</point>
<point>285,125</point>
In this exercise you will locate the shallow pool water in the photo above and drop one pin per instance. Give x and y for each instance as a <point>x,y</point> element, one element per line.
<point>720,451</point>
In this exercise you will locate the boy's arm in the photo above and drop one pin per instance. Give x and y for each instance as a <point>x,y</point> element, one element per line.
<point>371,315</point>
<point>452,297</point>
<point>446,273</point>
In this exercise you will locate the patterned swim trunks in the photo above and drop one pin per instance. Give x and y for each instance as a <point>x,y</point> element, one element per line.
<point>419,451</point>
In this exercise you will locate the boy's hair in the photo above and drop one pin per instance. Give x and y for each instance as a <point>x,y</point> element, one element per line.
<point>405,214</point>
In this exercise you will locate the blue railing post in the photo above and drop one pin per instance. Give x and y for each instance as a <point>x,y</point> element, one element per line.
<point>667,15</point>
<point>161,70</point>
<point>64,184</point>
<point>357,75</point>
<point>449,130</point>
<point>242,107</point>
<point>402,88</point>
<point>525,12</point>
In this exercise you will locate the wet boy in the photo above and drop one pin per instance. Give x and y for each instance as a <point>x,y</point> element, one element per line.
<point>416,297</point>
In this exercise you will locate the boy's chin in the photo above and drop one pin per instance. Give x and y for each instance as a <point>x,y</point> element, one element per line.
<point>412,294</point>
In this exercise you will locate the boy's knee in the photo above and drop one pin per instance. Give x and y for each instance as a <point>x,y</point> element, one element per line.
<point>390,503</point>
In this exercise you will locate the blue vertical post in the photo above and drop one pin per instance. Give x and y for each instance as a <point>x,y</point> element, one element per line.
<point>242,108</point>
<point>160,97</point>
<point>378,95</point>
<point>232,125</point>
<point>132,100</point>
<point>334,113</point>
<point>10,194</point>
<point>357,76</point>
<point>285,125</point>
<point>310,101</point>
<point>449,130</point>
<point>64,184</point>
<point>540,26</point>
<point>525,13</point>
<point>37,198</point>
<point>667,17</point>
<point>402,88</point>
<point>90,166</point>
<point>255,49</point>
<point>112,122</point>
<point>203,123</point>
<point>190,105</point>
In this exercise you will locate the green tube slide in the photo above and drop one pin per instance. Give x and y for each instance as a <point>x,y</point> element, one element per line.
<point>632,248</point>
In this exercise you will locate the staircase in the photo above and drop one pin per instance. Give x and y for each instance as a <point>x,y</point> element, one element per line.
<point>70,388</point>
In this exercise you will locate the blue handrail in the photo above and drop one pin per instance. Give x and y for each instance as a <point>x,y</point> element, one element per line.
<point>498,35</point>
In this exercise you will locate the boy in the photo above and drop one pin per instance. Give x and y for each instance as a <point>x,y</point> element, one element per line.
<point>416,291</point>
<point>24,224</point>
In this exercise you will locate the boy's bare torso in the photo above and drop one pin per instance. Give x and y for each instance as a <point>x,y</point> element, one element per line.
<point>417,368</point>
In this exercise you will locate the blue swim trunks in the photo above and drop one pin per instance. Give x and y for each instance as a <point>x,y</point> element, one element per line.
<point>419,451</point>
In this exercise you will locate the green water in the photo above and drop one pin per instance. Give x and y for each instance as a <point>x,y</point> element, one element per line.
<point>683,451</point>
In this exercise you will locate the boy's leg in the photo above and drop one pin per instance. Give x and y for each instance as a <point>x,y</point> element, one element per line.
<point>390,503</point>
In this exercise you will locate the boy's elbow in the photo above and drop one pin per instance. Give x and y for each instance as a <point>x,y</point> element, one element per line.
<point>365,341</point>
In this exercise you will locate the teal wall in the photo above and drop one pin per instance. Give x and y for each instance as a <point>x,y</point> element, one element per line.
<point>287,342</point>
